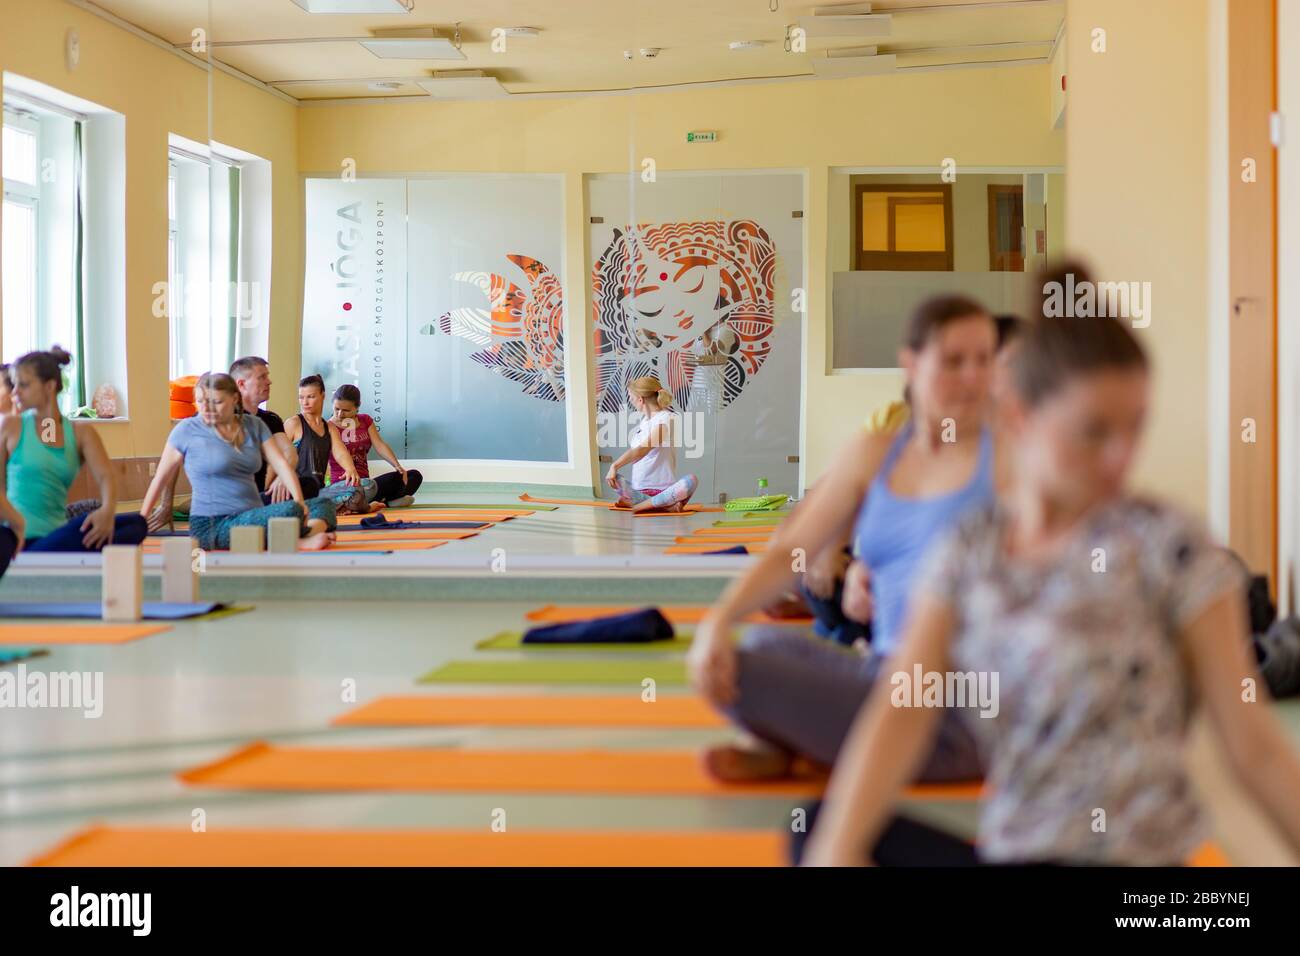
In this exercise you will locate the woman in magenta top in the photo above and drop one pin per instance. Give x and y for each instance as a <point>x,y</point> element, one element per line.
<point>360,433</point>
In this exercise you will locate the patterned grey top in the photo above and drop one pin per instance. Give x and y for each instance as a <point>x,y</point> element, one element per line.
<point>1085,755</point>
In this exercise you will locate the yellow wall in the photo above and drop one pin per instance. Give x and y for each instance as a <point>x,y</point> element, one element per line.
<point>159,94</point>
<point>995,117</point>
<point>1137,162</point>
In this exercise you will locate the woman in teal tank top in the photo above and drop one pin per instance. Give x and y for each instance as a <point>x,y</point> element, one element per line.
<point>41,452</point>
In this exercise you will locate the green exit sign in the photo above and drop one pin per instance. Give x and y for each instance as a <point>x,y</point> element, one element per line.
<point>702,136</point>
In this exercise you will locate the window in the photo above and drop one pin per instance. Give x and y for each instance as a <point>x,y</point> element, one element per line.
<point>20,257</point>
<point>203,196</point>
<point>1006,228</point>
<point>903,227</point>
<point>41,239</point>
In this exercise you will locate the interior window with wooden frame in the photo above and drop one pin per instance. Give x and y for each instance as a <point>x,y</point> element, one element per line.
<point>1006,228</point>
<point>903,227</point>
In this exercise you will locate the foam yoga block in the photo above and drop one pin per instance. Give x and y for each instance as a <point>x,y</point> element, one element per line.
<point>123,582</point>
<point>180,584</point>
<point>282,535</point>
<point>246,540</point>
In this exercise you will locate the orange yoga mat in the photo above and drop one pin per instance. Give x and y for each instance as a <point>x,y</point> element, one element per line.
<point>600,503</point>
<point>477,516</point>
<point>716,542</point>
<point>154,846</point>
<point>348,545</point>
<point>535,711</point>
<point>151,846</point>
<point>676,614</point>
<point>261,766</point>
<point>52,632</point>
<point>596,503</point>
<point>763,532</point>
<point>707,548</point>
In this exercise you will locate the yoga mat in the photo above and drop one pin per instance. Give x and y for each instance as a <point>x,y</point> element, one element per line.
<point>514,641</point>
<point>400,534</point>
<point>28,635</point>
<point>387,543</point>
<point>752,534</point>
<point>688,510</point>
<point>155,846</point>
<point>476,516</point>
<point>676,614</point>
<point>345,546</point>
<point>765,521</point>
<point>19,654</point>
<point>487,506</point>
<point>422,526</point>
<point>593,503</point>
<point>548,671</point>
<point>721,541</point>
<point>151,610</point>
<point>261,766</point>
<point>625,710</point>
<point>601,503</point>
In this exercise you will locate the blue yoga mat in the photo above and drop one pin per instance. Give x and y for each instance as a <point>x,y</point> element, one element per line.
<point>391,526</point>
<point>150,610</point>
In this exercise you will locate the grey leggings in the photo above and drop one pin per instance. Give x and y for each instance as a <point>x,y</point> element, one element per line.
<point>802,693</point>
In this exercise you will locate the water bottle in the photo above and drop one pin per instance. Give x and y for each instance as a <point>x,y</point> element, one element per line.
<point>762,487</point>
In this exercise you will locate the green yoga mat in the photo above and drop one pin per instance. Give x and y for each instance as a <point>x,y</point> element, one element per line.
<point>514,641</point>
<point>516,506</point>
<point>626,672</point>
<point>750,522</point>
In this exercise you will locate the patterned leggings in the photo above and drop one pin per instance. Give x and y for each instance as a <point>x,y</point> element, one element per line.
<point>213,533</point>
<point>680,490</point>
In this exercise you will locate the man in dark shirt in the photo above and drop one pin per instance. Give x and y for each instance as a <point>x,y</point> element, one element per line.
<point>252,375</point>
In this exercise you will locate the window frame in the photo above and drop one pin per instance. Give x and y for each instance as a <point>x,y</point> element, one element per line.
<point>877,261</point>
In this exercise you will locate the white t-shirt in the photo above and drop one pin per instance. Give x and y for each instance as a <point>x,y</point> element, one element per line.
<point>658,469</point>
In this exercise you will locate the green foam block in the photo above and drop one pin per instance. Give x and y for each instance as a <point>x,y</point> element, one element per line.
<point>514,641</point>
<point>557,672</point>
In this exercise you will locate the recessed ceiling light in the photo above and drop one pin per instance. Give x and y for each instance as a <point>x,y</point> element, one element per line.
<point>419,44</point>
<point>463,85</point>
<point>385,86</point>
<point>747,44</point>
<point>356,6</point>
<point>520,31</point>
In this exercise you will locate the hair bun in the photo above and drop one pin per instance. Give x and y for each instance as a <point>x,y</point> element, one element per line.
<point>60,355</point>
<point>664,398</point>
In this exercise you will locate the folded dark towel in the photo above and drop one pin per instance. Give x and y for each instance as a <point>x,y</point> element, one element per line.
<point>377,521</point>
<point>734,549</point>
<point>1278,653</point>
<point>635,627</point>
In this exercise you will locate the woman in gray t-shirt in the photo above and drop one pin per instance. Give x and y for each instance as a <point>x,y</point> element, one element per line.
<point>1076,626</point>
<point>222,452</point>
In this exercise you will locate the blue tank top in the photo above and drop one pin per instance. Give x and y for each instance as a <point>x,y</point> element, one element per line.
<point>891,534</point>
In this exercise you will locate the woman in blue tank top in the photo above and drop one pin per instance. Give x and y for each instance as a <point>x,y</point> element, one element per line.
<point>796,695</point>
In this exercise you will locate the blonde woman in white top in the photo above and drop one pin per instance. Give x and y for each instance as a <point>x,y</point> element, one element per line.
<point>654,485</point>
